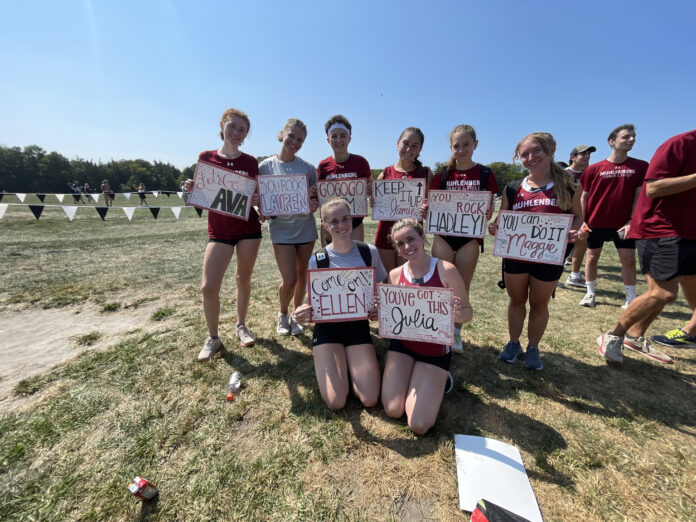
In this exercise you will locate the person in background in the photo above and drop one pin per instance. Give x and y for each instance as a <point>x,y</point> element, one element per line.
<point>141,194</point>
<point>106,191</point>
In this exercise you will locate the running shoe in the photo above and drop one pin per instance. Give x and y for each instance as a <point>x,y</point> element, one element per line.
<point>610,348</point>
<point>283,327</point>
<point>677,338</point>
<point>532,359</point>
<point>244,336</point>
<point>295,327</point>
<point>458,347</point>
<point>626,304</point>
<point>588,300</point>
<point>642,346</point>
<point>577,282</point>
<point>450,383</point>
<point>511,352</point>
<point>568,261</point>
<point>210,348</point>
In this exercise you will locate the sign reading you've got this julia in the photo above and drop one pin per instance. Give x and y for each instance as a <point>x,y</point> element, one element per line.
<point>222,190</point>
<point>416,313</point>
<point>341,294</point>
<point>284,194</point>
<point>532,236</point>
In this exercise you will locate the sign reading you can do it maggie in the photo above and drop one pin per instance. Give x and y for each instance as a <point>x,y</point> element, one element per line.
<point>341,294</point>
<point>532,236</point>
<point>416,313</point>
<point>222,190</point>
<point>397,198</point>
<point>283,194</point>
<point>457,212</point>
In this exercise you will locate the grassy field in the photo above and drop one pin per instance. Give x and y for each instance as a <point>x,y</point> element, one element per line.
<point>598,443</point>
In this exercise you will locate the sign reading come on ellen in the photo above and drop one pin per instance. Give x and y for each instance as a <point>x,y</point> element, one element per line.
<point>341,294</point>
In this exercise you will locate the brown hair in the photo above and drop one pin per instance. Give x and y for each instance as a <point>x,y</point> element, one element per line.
<point>234,112</point>
<point>292,122</point>
<point>338,118</point>
<point>330,204</point>
<point>626,126</point>
<point>421,169</point>
<point>452,163</point>
<point>564,182</point>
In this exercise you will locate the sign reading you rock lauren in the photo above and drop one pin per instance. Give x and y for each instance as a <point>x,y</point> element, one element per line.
<point>222,190</point>
<point>341,294</point>
<point>416,313</point>
<point>284,194</point>
<point>532,236</point>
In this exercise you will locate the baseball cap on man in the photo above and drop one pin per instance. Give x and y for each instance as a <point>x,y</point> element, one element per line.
<point>582,148</point>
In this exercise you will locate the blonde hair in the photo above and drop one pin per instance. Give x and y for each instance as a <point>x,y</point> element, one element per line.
<point>234,112</point>
<point>564,182</point>
<point>331,204</point>
<point>406,223</point>
<point>292,122</point>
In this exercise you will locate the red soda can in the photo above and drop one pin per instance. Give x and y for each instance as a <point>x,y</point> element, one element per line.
<point>143,489</point>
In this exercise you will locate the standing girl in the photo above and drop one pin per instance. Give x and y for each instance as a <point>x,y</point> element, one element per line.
<point>415,373</point>
<point>227,233</point>
<point>461,172</point>
<point>141,193</point>
<point>343,351</point>
<point>343,165</point>
<point>408,146</point>
<point>549,189</point>
<point>292,236</point>
<point>106,191</point>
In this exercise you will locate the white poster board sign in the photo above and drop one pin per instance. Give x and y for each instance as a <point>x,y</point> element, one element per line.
<point>458,212</point>
<point>283,194</point>
<point>354,191</point>
<point>416,313</point>
<point>341,294</point>
<point>532,236</point>
<point>222,190</point>
<point>492,470</point>
<point>396,199</point>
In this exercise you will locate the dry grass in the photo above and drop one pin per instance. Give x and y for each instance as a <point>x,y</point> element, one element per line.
<point>598,443</point>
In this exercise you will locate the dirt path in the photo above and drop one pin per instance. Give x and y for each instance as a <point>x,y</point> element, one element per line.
<point>33,341</point>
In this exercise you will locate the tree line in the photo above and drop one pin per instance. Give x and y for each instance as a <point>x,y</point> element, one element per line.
<point>33,170</point>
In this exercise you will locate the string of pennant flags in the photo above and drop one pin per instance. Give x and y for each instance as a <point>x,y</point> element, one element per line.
<point>93,195</point>
<point>71,210</point>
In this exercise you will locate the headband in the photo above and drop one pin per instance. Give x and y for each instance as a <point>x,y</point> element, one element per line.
<point>338,125</point>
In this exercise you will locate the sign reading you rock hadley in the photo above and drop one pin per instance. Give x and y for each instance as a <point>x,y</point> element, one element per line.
<point>341,294</point>
<point>457,212</point>
<point>397,198</point>
<point>222,190</point>
<point>284,194</point>
<point>532,236</point>
<point>416,313</point>
<point>354,191</point>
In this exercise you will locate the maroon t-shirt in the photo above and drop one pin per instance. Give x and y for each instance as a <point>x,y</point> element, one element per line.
<point>611,189</point>
<point>668,216</point>
<point>353,168</point>
<point>226,227</point>
<point>541,200</point>
<point>469,179</point>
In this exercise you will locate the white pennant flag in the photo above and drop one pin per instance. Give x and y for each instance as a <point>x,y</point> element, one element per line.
<point>156,193</point>
<point>128,211</point>
<point>180,194</point>
<point>127,195</point>
<point>177,211</point>
<point>21,196</point>
<point>95,197</point>
<point>3,208</point>
<point>69,211</point>
<point>60,197</point>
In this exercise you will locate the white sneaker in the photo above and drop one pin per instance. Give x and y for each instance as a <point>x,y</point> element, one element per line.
<point>610,348</point>
<point>210,348</point>
<point>589,301</point>
<point>244,336</point>
<point>626,304</point>
<point>295,327</point>
<point>577,282</point>
<point>283,327</point>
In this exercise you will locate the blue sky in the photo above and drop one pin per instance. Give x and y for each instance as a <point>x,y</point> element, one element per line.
<point>145,79</point>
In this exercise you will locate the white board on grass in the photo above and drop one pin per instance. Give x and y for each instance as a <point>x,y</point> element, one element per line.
<point>492,470</point>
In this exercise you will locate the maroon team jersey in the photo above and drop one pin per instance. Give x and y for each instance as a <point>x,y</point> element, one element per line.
<point>465,180</point>
<point>226,227</point>
<point>668,216</point>
<point>353,168</point>
<point>611,189</point>
<point>541,200</point>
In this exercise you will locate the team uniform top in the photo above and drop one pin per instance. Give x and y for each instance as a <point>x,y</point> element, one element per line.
<point>611,189</point>
<point>225,227</point>
<point>352,259</point>
<point>668,216</point>
<point>576,173</point>
<point>432,279</point>
<point>542,199</point>
<point>469,179</point>
<point>384,227</point>
<point>297,228</point>
<point>353,168</point>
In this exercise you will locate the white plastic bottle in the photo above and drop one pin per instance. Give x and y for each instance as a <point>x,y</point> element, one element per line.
<point>234,385</point>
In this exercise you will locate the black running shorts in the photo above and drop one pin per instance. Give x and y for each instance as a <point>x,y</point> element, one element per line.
<point>667,257</point>
<point>347,333</point>
<point>598,236</point>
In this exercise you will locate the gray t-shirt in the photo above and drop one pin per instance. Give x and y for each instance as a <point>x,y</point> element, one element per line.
<point>352,259</point>
<point>298,228</point>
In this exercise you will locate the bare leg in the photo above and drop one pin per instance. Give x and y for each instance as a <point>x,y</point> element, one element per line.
<point>364,372</point>
<point>647,305</point>
<point>627,257</point>
<point>579,254</point>
<point>331,369</point>
<point>517,286</point>
<point>395,383</point>
<point>247,251</point>
<point>591,263</point>
<point>688,284</point>
<point>539,295</point>
<point>358,233</point>
<point>286,259</point>
<point>303,253</point>
<point>215,261</point>
<point>426,389</point>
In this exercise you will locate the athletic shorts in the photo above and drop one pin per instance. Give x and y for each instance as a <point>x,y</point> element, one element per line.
<point>665,258</point>
<point>347,333</point>
<point>233,242</point>
<point>540,271</point>
<point>598,236</point>
<point>456,242</point>
<point>441,361</point>
<point>357,221</point>
<point>382,235</point>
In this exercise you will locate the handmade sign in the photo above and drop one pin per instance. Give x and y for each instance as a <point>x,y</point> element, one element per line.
<point>457,212</point>
<point>397,198</point>
<point>222,190</point>
<point>532,236</point>
<point>354,191</point>
<point>341,294</point>
<point>416,313</point>
<point>284,194</point>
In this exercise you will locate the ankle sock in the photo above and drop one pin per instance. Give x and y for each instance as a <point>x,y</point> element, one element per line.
<point>591,286</point>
